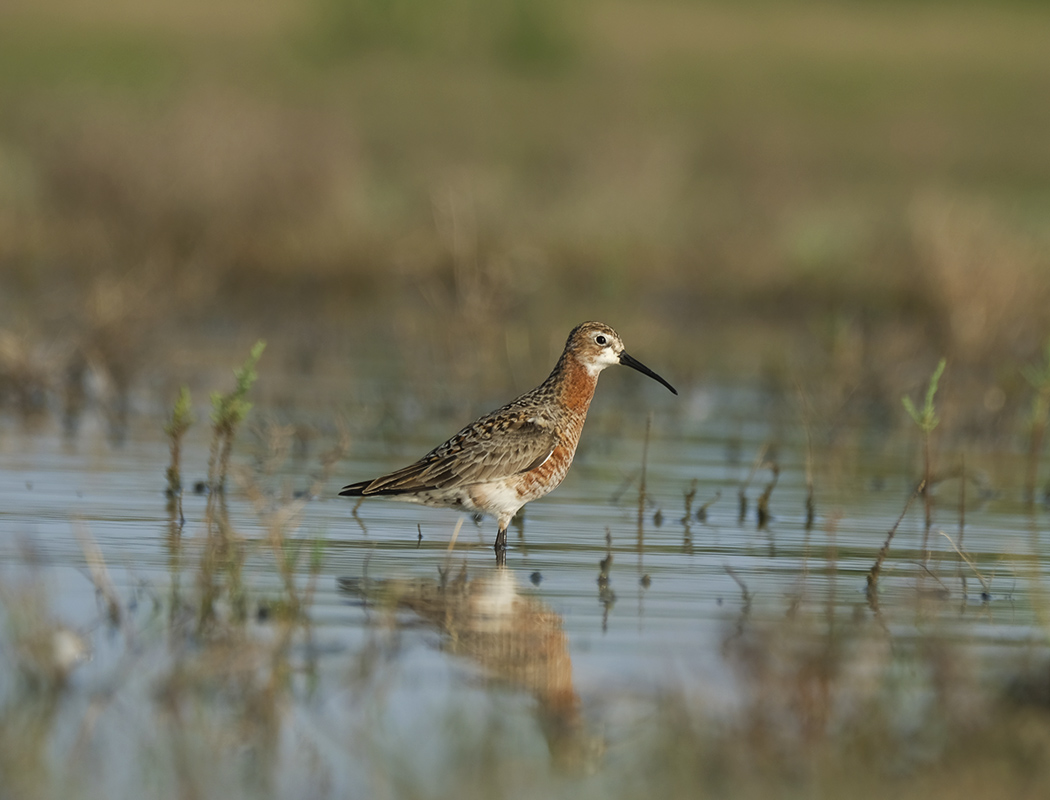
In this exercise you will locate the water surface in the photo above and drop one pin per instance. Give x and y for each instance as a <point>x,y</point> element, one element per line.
<point>416,643</point>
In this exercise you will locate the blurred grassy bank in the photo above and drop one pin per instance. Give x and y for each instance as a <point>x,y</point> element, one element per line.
<point>684,167</point>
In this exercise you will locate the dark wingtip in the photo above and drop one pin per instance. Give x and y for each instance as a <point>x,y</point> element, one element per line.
<point>353,490</point>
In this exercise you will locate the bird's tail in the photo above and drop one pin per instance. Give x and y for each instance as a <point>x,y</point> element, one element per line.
<point>354,489</point>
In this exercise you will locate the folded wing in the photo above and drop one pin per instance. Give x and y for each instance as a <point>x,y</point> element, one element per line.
<point>485,451</point>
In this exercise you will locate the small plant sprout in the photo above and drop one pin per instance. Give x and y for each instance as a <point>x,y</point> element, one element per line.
<point>180,421</point>
<point>228,411</point>
<point>1039,377</point>
<point>222,552</point>
<point>927,420</point>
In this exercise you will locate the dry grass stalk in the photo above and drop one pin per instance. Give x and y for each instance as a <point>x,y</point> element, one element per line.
<point>642,488</point>
<point>876,568</point>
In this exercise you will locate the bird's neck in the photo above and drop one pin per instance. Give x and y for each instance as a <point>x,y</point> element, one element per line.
<point>574,385</point>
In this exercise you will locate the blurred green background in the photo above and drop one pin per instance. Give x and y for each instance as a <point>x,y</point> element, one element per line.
<point>867,175</point>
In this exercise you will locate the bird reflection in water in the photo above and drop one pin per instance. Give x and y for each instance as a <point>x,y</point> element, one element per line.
<point>517,639</point>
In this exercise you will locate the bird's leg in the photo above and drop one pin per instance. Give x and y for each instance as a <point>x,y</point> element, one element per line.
<point>501,547</point>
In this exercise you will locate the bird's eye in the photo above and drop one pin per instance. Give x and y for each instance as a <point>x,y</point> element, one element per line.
<point>599,339</point>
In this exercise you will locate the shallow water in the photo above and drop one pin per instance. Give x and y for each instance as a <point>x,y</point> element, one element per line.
<point>429,622</point>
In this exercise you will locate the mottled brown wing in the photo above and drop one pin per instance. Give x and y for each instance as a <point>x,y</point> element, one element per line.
<point>488,450</point>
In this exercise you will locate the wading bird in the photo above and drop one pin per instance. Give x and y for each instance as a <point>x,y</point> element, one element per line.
<point>519,452</point>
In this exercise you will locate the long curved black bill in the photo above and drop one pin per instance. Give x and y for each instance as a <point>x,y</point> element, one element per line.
<point>634,363</point>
